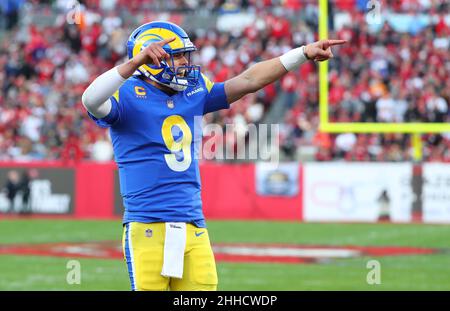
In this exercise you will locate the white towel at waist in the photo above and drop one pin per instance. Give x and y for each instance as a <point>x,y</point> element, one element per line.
<point>174,246</point>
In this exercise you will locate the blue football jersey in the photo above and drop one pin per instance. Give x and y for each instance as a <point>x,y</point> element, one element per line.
<point>156,139</point>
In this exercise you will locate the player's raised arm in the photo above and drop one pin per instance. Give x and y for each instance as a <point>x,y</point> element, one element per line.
<point>266,72</point>
<point>96,97</point>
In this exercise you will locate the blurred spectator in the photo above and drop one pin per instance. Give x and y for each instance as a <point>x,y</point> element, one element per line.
<point>11,188</point>
<point>9,10</point>
<point>344,144</point>
<point>102,150</point>
<point>24,186</point>
<point>385,108</point>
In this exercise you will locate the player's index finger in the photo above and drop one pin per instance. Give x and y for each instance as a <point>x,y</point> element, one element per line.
<point>336,42</point>
<point>165,41</point>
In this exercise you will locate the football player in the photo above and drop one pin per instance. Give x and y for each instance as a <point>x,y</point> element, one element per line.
<point>149,104</point>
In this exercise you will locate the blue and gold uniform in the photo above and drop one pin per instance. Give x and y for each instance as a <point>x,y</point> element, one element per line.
<point>156,139</point>
<point>156,142</point>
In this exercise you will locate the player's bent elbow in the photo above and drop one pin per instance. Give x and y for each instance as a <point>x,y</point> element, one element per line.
<point>97,110</point>
<point>85,100</point>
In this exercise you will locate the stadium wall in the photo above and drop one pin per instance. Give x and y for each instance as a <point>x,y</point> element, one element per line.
<point>92,191</point>
<point>315,192</point>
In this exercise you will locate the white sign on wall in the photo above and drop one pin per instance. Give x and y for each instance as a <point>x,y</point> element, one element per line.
<point>436,193</point>
<point>357,192</point>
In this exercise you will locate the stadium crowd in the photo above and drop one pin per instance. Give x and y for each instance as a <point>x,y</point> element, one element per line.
<point>387,75</point>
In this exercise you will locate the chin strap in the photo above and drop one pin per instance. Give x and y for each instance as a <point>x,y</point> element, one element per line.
<point>179,86</point>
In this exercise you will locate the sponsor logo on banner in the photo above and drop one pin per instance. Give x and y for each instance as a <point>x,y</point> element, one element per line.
<point>277,179</point>
<point>37,190</point>
<point>436,193</point>
<point>366,192</point>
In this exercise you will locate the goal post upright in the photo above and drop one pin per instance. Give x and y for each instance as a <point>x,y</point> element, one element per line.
<point>415,129</point>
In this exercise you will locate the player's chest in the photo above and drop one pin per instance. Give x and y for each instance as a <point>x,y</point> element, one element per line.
<point>155,114</point>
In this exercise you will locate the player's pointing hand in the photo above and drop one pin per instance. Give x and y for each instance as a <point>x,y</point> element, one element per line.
<point>153,54</point>
<point>321,50</point>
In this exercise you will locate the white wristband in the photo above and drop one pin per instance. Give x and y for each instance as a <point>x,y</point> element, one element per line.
<point>294,58</point>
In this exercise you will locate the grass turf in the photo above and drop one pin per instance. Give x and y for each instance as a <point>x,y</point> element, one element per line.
<point>424,272</point>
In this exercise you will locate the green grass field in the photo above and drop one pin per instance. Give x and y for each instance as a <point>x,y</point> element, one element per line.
<point>414,272</point>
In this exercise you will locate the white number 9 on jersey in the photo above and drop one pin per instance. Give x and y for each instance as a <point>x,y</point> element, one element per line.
<point>177,145</point>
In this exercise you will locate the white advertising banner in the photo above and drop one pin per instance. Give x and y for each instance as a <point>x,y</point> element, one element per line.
<point>366,192</point>
<point>436,193</point>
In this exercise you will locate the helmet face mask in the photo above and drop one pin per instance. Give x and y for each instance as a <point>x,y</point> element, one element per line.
<point>180,77</point>
<point>168,74</point>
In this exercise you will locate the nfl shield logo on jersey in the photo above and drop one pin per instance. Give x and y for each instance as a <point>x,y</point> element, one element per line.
<point>149,233</point>
<point>170,103</point>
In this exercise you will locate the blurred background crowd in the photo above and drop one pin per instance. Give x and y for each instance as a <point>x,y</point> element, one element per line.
<point>393,71</point>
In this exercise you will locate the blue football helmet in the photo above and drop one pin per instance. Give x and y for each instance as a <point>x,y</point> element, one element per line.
<point>178,78</point>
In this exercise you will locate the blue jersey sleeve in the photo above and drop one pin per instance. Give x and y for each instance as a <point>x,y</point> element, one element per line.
<point>114,116</point>
<point>216,99</point>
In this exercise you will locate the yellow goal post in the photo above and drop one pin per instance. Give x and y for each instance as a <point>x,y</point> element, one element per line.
<point>416,129</point>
